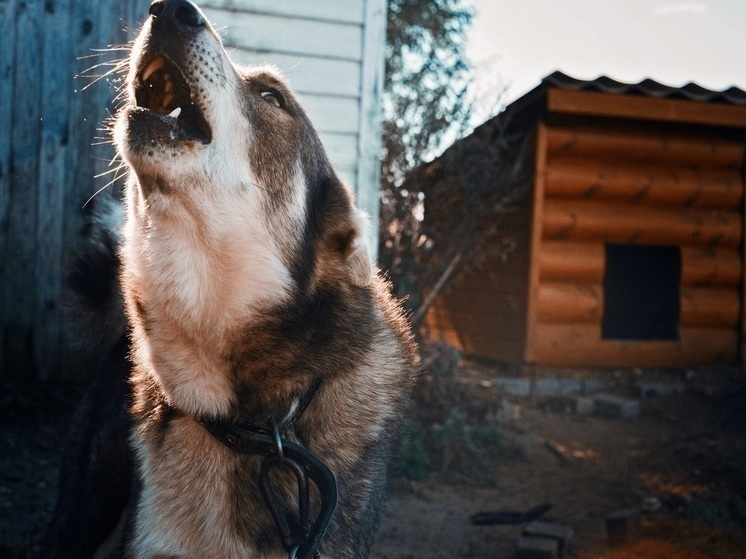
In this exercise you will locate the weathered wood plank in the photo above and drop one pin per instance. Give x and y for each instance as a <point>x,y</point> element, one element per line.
<point>710,307</point>
<point>338,115</point>
<point>308,74</point>
<point>644,145</point>
<point>661,184</point>
<point>295,37</point>
<point>645,108</point>
<point>568,303</point>
<point>577,303</point>
<point>537,233</point>
<point>348,11</point>
<point>19,298</point>
<point>50,210</point>
<point>571,261</point>
<point>369,137</point>
<point>567,261</point>
<point>347,175</point>
<point>617,223</point>
<point>85,114</point>
<point>7,47</point>
<point>579,345</point>
<point>341,148</point>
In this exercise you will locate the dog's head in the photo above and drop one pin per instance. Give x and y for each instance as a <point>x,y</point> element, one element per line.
<point>202,134</point>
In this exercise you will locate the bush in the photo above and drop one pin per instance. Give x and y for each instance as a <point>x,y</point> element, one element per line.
<point>460,452</point>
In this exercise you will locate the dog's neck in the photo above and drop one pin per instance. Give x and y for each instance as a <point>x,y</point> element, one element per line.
<point>196,273</point>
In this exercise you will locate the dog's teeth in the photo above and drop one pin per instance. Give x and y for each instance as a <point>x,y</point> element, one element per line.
<point>175,113</point>
<point>156,64</point>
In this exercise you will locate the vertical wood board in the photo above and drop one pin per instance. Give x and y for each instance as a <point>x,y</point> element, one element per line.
<point>369,137</point>
<point>537,208</point>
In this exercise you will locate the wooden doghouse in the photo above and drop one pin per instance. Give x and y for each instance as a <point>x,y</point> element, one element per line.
<point>629,247</point>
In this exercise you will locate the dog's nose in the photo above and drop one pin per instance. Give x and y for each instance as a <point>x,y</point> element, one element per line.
<point>182,13</point>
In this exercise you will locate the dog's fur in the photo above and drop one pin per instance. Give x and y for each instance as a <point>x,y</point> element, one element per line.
<point>245,281</point>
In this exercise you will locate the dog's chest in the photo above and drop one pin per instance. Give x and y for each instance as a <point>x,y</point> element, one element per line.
<point>194,496</point>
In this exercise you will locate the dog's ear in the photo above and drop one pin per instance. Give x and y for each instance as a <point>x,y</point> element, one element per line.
<point>358,260</point>
<point>345,256</point>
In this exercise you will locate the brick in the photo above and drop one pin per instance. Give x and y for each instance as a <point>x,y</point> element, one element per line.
<point>537,548</point>
<point>609,405</point>
<point>619,524</point>
<point>562,533</point>
<point>585,405</point>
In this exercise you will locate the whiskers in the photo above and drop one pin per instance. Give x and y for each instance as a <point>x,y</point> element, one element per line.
<point>121,170</point>
<point>113,71</point>
<point>112,66</point>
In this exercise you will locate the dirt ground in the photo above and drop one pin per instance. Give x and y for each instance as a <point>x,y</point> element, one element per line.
<point>684,456</point>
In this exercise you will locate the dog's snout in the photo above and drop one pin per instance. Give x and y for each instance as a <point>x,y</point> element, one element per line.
<point>183,14</point>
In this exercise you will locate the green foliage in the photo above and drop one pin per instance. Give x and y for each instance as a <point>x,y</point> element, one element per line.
<point>459,451</point>
<point>426,89</point>
<point>726,514</point>
<point>427,103</point>
<point>414,461</point>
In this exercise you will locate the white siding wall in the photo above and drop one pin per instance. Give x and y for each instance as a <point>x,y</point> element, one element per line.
<point>332,53</point>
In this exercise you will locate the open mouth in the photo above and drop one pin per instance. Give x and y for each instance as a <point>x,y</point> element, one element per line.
<point>161,88</point>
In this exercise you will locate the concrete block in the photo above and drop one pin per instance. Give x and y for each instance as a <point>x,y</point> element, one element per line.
<point>561,533</point>
<point>585,405</point>
<point>652,389</point>
<point>529,547</point>
<point>507,413</point>
<point>609,405</point>
<point>513,386</point>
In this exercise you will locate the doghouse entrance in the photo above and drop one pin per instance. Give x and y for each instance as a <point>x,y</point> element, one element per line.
<point>641,293</point>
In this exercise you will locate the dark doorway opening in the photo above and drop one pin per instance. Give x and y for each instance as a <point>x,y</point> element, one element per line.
<point>641,292</point>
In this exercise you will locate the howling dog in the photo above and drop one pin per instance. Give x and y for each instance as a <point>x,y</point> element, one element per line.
<point>249,409</point>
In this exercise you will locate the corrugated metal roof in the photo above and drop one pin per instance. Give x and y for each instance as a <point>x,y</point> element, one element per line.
<point>648,88</point>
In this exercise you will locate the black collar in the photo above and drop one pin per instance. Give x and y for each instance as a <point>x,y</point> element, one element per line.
<point>269,440</point>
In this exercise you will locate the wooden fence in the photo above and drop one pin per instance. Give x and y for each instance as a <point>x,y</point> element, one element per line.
<point>51,147</point>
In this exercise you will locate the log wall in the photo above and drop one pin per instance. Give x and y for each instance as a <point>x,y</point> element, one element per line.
<point>484,313</point>
<point>599,184</point>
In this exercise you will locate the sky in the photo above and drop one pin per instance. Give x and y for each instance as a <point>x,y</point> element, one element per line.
<point>514,43</point>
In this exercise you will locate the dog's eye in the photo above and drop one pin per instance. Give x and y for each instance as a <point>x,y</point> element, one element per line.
<point>272,97</point>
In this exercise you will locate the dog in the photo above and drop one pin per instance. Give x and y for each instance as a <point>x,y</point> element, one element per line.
<point>254,399</point>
